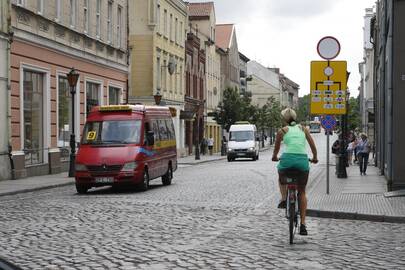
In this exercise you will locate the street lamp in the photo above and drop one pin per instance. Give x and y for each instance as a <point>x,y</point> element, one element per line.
<point>72,78</point>
<point>197,140</point>
<point>157,97</point>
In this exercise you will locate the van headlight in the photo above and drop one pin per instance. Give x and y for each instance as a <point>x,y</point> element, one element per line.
<point>80,167</point>
<point>251,149</point>
<point>130,166</point>
<point>230,149</point>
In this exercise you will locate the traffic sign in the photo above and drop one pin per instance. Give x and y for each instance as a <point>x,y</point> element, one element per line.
<point>328,87</point>
<point>328,122</point>
<point>328,48</point>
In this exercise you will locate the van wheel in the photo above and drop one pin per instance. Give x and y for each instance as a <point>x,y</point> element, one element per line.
<point>81,189</point>
<point>144,186</point>
<point>230,159</point>
<point>257,157</point>
<point>168,176</point>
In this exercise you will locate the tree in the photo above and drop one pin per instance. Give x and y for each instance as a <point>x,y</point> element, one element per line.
<point>230,109</point>
<point>303,113</point>
<point>353,117</point>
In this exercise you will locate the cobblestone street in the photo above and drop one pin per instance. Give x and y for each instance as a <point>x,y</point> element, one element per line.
<point>214,216</point>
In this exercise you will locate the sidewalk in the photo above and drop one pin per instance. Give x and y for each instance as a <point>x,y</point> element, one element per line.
<point>356,197</point>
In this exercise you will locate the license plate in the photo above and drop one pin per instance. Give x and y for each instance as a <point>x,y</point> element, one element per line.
<point>104,180</point>
<point>240,154</point>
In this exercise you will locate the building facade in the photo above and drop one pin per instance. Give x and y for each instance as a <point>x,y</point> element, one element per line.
<point>244,78</point>
<point>51,37</point>
<point>5,165</point>
<point>225,37</point>
<point>389,82</point>
<point>264,85</point>
<point>289,92</point>
<point>157,34</point>
<point>366,69</point>
<point>195,92</point>
<point>203,23</point>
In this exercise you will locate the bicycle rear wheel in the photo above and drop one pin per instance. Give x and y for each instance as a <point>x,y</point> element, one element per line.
<point>291,221</point>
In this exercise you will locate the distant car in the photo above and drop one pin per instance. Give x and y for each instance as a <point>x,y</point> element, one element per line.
<point>328,131</point>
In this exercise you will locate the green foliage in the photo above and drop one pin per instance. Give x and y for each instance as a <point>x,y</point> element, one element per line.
<point>236,108</point>
<point>354,120</point>
<point>303,113</point>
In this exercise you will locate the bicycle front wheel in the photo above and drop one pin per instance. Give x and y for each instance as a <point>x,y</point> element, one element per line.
<point>291,221</point>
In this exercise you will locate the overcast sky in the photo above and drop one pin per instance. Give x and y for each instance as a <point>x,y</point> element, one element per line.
<point>284,33</point>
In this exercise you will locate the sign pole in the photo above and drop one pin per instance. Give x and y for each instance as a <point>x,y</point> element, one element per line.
<point>327,163</point>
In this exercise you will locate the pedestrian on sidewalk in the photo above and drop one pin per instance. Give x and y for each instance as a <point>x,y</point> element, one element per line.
<point>350,149</point>
<point>363,152</point>
<point>203,146</point>
<point>210,144</point>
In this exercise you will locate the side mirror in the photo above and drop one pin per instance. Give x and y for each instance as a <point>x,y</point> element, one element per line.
<point>150,138</point>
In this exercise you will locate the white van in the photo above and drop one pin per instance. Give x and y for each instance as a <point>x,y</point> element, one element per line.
<point>243,142</point>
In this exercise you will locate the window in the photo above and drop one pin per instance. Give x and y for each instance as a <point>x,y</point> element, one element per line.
<point>40,7</point>
<point>114,95</point>
<point>109,22</point>
<point>58,10</point>
<point>159,74</point>
<point>33,87</point>
<point>181,34</point>
<point>73,13</point>
<point>20,2</point>
<point>86,16</point>
<point>98,18</point>
<point>170,130</point>
<point>163,134</point>
<point>164,76</point>
<point>158,18</point>
<point>92,95</point>
<point>113,132</point>
<point>171,27</point>
<point>176,31</point>
<point>64,116</point>
<point>119,22</point>
<point>165,23</point>
<point>181,80</point>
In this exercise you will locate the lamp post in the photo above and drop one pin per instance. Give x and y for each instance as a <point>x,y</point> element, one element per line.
<point>72,78</point>
<point>157,97</point>
<point>197,140</point>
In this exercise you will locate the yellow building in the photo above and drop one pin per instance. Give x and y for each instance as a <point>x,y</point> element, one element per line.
<point>157,50</point>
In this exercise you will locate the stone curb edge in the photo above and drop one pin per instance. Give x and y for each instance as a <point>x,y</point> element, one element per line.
<point>355,216</point>
<point>212,160</point>
<point>36,188</point>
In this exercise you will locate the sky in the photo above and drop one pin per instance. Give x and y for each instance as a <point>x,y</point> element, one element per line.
<point>285,33</point>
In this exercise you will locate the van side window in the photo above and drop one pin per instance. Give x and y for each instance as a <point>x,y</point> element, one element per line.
<point>163,130</point>
<point>170,129</point>
<point>155,129</point>
<point>146,130</point>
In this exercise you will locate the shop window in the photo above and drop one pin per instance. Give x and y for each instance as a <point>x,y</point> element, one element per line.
<point>92,95</point>
<point>64,116</point>
<point>114,95</point>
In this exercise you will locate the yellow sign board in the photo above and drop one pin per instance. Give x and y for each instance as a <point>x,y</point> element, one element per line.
<point>328,87</point>
<point>115,108</point>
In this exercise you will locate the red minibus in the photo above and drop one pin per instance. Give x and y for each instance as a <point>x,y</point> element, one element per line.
<point>126,144</point>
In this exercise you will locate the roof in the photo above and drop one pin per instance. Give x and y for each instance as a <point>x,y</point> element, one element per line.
<point>200,9</point>
<point>223,35</point>
<point>244,57</point>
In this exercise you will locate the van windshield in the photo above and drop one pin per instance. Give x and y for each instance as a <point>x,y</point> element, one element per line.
<point>241,136</point>
<point>112,132</point>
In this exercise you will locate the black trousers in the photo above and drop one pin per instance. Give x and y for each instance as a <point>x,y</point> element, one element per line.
<point>363,161</point>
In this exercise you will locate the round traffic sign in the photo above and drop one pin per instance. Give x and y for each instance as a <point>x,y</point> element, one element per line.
<point>328,48</point>
<point>328,122</point>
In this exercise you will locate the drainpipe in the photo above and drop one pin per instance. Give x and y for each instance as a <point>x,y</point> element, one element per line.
<point>8,99</point>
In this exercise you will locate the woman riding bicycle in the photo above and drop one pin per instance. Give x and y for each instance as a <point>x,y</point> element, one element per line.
<point>294,157</point>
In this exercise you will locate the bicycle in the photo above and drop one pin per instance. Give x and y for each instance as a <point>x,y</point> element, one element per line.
<point>292,203</point>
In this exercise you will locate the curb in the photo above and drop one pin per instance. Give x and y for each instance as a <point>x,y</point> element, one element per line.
<point>355,216</point>
<point>35,189</point>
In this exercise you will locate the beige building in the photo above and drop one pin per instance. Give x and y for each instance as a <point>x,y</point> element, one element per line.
<point>227,41</point>
<point>203,22</point>
<point>265,83</point>
<point>51,37</point>
<point>157,34</point>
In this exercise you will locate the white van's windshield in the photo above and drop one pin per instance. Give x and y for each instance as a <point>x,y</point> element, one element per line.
<point>241,136</point>
<point>112,132</point>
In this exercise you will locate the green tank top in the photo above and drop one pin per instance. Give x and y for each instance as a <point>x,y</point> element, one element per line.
<point>295,140</point>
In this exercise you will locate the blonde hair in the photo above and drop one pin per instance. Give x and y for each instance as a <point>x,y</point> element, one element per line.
<point>289,115</point>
